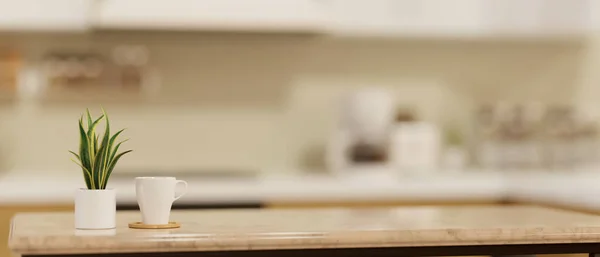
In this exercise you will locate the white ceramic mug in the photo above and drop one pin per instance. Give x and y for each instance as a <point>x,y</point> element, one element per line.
<point>155,196</point>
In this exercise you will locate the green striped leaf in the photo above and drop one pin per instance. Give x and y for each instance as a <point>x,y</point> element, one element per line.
<point>97,155</point>
<point>113,164</point>
<point>84,153</point>
<point>104,152</point>
<point>111,142</point>
<point>95,145</point>
<point>92,135</point>
<point>99,167</point>
<point>114,152</point>
<point>87,176</point>
<point>89,117</point>
<point>76,155</point>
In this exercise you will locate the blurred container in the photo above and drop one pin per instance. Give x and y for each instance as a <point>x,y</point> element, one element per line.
<point>131,61</point>
<point>528,136</point>
<point>414,147</point>
<point>559,136</point>
<point>586,145</point>
<point>521,150</point>
<point>488,152</point>
<point>10,64</point>
<point>66,70</point>
<point>454,157</point>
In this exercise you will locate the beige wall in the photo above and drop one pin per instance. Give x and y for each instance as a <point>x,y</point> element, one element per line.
<point>269,102</point>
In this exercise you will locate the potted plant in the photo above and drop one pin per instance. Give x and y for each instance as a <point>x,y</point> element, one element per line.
<point>95,205</point>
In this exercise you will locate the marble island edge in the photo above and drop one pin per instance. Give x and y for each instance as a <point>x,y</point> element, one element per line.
<point>230,230</point>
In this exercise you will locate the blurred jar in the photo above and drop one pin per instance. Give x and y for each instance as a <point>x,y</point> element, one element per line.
<point>488,152</point>
<point>559,137</point>
<point>521,147</point>
<point>132,61</point>
<point>586,146</point>
<point>414,146</point>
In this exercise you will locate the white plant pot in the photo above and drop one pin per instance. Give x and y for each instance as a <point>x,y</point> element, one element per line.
<point>95,209</point>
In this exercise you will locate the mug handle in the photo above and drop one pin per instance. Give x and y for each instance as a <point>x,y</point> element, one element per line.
<point>184,189</point>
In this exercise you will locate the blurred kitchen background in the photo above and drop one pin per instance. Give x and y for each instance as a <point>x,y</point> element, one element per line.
<point>304,85</point>
<point>307,102</point>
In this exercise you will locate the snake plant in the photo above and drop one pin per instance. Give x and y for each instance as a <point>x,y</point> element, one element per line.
<point>97,158</point>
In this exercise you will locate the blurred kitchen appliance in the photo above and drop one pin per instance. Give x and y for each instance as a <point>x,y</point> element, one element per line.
<point>363,131</point>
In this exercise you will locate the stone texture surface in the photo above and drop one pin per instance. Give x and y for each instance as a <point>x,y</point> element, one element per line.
<point>214,230</point>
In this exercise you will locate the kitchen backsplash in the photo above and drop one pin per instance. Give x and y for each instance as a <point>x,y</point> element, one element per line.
<point>266,103</point>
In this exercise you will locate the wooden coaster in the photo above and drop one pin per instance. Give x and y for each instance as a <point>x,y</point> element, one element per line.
<point>139,225</point>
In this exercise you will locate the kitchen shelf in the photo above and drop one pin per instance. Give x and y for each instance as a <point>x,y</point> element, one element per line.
<point>44,16</point>
<point>92,94</point>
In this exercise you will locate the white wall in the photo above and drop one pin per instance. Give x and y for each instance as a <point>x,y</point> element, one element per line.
<point>269,102</point>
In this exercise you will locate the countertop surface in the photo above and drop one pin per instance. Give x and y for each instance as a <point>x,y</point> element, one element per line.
<point>220,230</point>
<point>574,189</point>
<point>578,190</point>
<point>20,187</point>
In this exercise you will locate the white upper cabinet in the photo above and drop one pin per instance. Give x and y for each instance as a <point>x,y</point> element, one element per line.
<point>217,15</point>
<point>406,17</point>
<point>539,17</point>
<point>595,15</point>
<point>44,15</point>
<point>363,18</point>
<point>461,18</point>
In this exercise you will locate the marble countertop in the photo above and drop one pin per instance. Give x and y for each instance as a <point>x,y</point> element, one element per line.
<point>219,230</point>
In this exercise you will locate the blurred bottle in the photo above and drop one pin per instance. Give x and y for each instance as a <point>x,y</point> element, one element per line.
<point>586,143</point>
<point>509,136</point>
<point>487,152</point>
<point>518,131</point>
<point>131,61</point>
<point>559,134</point>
